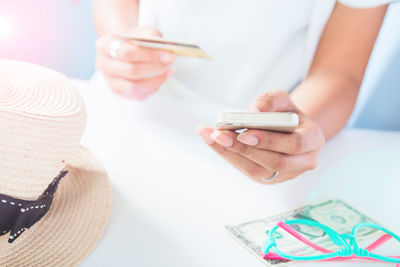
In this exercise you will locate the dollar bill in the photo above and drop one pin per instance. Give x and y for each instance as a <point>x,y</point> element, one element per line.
<point>335,214</point>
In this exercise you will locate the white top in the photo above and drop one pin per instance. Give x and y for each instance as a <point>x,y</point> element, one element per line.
<point>256,45</point>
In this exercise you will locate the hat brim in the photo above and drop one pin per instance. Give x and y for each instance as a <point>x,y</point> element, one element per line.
<point>74,224</point>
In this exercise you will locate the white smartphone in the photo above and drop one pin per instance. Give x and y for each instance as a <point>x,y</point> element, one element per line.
<point>286,122</point>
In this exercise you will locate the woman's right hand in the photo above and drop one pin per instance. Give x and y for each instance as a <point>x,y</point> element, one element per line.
<point>133,71</point>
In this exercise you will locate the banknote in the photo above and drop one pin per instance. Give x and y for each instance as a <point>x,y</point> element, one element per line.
<point>179,48</point>
<point>336,214</point>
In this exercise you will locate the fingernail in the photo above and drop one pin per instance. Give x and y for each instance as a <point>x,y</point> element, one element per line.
<point>138,92</point>
<point>222,139</point>
<point>169,73</point>
<point>136,96</point>
<point>205,135</point>
<point>166,57</point>
<point>253,109</point>
<point>248,139</point>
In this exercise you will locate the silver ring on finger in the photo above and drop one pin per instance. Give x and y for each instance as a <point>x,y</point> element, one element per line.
<point>114,47</point>
<point>272,178</point>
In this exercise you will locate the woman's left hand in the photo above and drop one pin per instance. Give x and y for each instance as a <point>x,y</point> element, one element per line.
<point>259,154</point>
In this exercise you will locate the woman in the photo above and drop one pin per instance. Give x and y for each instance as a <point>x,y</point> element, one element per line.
<point>316,52</point>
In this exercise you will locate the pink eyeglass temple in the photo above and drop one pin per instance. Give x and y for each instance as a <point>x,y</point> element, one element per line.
<point>273,256</point>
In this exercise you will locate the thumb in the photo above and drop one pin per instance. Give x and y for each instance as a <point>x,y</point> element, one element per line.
<point>273,101</point>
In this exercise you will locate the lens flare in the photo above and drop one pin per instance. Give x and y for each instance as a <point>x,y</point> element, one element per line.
<point>5,27</point>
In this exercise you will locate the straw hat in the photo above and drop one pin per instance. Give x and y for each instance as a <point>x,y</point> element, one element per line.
<point>42,119</point>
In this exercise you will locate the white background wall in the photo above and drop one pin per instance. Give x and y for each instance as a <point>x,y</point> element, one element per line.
<point>55,33</point>
<point>378,105</point>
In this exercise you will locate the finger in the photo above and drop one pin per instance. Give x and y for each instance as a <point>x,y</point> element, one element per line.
<point>246,166</point>
<point>130,52</point>
<point>138,90</point>
<point>133,53</point>
<point>305,139</point>
<point>124,88</point>
<point>241,163</point>
<point>273,101</point>
<point>282,177</point>
<point>268,159</point>
<point>128,70</point>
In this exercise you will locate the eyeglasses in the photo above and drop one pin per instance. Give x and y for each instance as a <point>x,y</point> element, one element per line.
<point>307,240</point>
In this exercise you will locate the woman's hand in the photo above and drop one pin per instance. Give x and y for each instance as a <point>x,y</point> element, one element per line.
<point>133,71</point>
<point>259,153</point>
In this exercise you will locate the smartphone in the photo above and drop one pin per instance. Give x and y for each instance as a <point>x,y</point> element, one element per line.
<point>285,122</point>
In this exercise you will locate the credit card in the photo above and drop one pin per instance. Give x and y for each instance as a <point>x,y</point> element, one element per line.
<point>177,47</point>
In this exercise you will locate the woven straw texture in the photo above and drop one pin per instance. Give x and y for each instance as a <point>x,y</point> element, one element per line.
<point>74,224</point>
<point>42,119</point>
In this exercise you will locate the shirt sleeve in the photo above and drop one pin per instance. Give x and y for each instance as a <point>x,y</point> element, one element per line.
<point>365,3</point>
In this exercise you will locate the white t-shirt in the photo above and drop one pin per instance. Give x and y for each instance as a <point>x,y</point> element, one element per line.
<point>256,45</point>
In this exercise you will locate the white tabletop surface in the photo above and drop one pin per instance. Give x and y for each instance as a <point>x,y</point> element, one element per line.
<point>172,195</point>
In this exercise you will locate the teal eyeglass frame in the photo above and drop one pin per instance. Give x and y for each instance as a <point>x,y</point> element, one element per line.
<point>348,243</point>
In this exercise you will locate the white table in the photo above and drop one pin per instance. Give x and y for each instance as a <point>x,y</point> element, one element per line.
<point>172,194</point>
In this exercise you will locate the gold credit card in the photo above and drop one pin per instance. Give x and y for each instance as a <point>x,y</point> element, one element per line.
<point>177,47</point>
